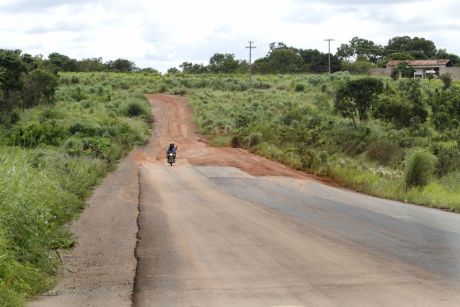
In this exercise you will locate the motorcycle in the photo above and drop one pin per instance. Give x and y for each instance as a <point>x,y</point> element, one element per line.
<point>171,158</point>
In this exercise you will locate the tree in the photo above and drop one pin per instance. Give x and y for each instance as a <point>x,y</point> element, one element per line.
<point>280,59</point>
<point>357,97</point>
<point>11,68</point>
<point>122,65</point>
<point>31,62</point>
<point>92,64</point>
<point>445,106</point>
<point>60,62</point>
<point>357,67</point>
<point>223,63</point>
<point>399,56</point>
<point>173,70</point>
<point>453,58</point>
<point>360,49</point>
<point>39,86</point>
<point>285,60</point>
<point>190,68</point>
<point>317,62</point>
<point>403,107</point>
<point>149,70</point>
<point>419,48</point>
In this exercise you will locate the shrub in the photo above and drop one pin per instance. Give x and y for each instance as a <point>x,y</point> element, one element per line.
<point>136,109</point>
<point>299,87</point>
<point>357,97</point>
<point>446,80</point>
<point>448,159</point>
<point>383,152</point>
<point>163,88</point>
<point>237,141</point>
<point>419,168</point>
<point>34,134</point>
<point>254,139</point>
<point>308,158</point>
<point>73,146</point>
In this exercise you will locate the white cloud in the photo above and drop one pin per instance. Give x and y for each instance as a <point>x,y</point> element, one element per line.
<point>162,34</point>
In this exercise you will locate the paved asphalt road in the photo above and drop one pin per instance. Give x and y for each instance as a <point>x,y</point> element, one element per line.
<point>216,236</point>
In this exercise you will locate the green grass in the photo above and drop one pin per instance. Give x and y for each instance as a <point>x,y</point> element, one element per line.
<point>50,160</point>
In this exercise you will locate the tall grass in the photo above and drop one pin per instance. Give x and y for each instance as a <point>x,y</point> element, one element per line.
<point>33,208</point>
<point>50,160</point>
<point>419,168</point>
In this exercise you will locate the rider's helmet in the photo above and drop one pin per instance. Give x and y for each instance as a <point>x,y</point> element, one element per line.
<point>171,144</point>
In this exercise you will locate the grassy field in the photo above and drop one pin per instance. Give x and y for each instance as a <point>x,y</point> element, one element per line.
<point>52,156</point>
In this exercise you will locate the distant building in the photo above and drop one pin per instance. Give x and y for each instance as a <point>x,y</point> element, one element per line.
<point>423,68</point>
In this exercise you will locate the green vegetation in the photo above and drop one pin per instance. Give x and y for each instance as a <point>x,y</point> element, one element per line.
<point>59,136</point>
<point>419,168</point>
<point>356,57</point>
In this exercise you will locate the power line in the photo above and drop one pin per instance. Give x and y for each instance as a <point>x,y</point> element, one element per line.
<point>329,40</point>
<point>250,47</point>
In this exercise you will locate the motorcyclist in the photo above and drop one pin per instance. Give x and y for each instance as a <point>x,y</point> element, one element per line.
<point>171,149</point>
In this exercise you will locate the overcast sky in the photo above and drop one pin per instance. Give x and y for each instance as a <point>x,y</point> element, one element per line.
<point>165,33</point>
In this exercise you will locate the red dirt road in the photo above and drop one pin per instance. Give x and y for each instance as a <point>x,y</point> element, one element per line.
<point>173,122</point>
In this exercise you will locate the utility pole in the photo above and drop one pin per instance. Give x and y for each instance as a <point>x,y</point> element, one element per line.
<point>250,47</point>
<point>329,40</point>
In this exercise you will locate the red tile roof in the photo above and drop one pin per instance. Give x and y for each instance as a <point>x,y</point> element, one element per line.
<point>420,63</point>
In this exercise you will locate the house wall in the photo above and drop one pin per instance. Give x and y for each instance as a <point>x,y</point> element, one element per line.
<point>380,72</point>
<point>454,72</point>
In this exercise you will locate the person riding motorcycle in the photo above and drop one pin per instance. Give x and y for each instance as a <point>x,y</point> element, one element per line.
<point>171,149</point>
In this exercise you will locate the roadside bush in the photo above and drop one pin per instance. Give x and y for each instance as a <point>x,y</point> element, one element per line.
<point>254,139</point>
<point>73,146</point>
<point>33,208</point>
<point>134,109</point>
<point>446,80</point>
<point>86,129</point>
<point>238,141</point>
<point>34,134</point>
<point>383,152</point>
<point>448,159</point>
<point>299,87</point>
<point>419,168</point>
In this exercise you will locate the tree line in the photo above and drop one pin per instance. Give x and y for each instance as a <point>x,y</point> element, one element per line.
<point>26,80</point>
<point>356,56</point>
